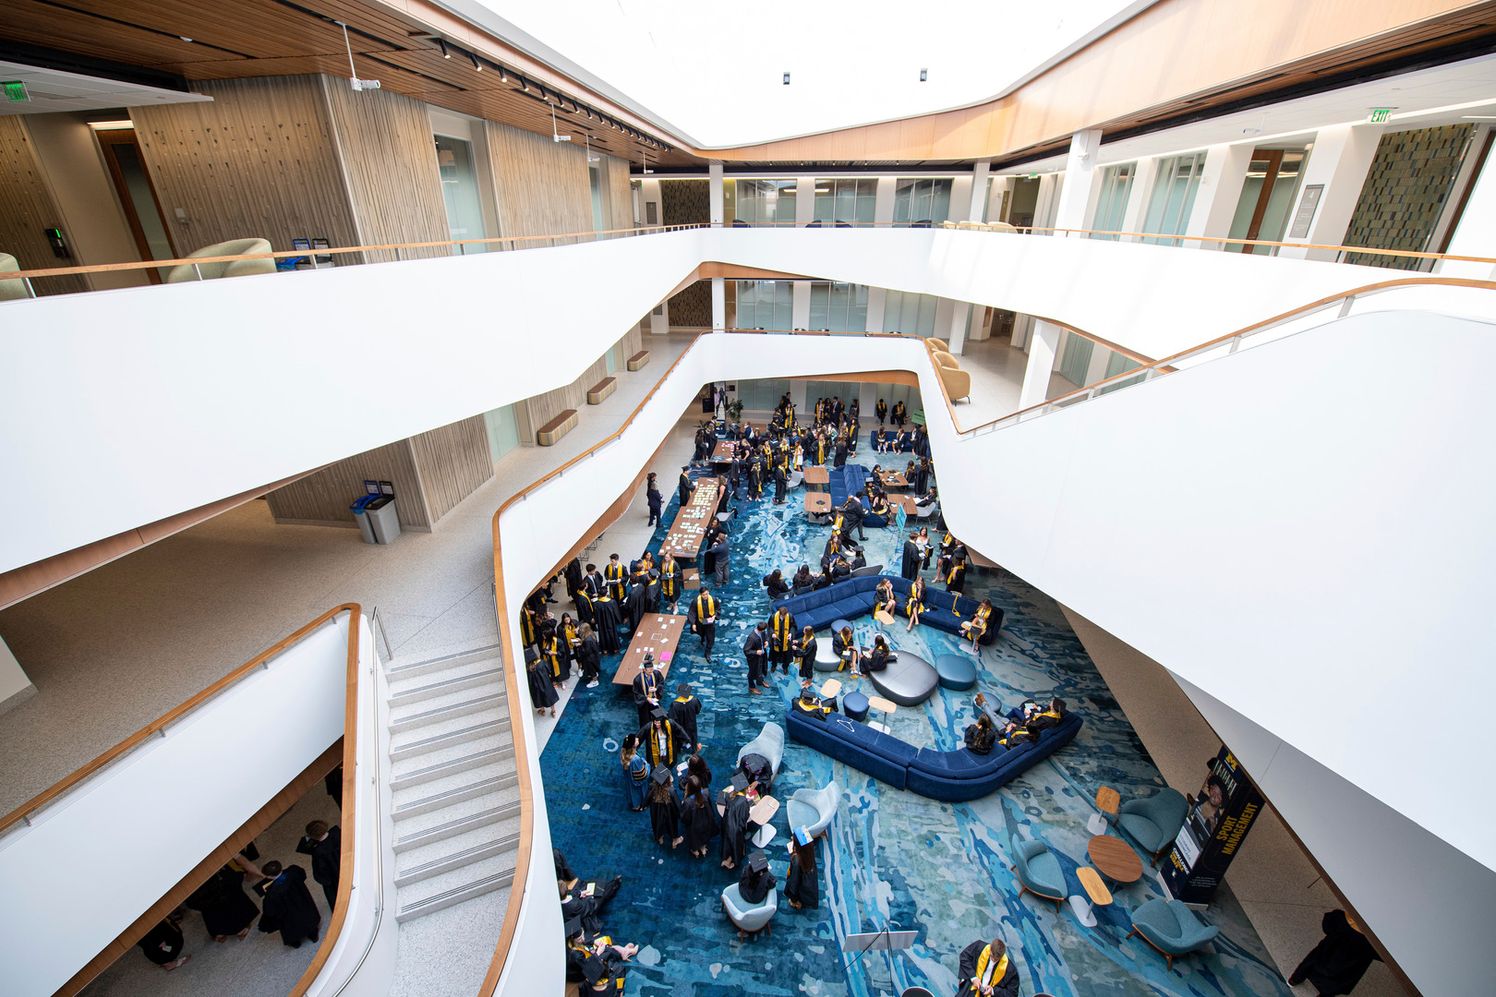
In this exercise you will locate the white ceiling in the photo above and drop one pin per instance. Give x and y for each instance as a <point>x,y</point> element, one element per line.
<point>53,90</point>
<point>1428,97</point>
<point>712,71</point>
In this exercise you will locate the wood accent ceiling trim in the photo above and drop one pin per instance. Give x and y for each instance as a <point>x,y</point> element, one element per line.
<point>27,208</point>
<point>541,187</point>
<point>257,161</point>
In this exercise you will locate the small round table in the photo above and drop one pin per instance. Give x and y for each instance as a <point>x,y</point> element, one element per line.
<point>1115,859</point>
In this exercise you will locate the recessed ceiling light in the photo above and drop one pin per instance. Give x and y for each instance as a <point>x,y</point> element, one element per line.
<point>1479,117</point>
<point>185,38</point>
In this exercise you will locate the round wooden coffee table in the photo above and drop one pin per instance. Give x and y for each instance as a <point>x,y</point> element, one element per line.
<point>1115,859</point>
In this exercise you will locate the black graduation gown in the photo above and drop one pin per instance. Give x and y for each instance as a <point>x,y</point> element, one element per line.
<point>226,908</point>
<point>327,861</point>
<point>735,828</point>
<point>636,605</point>
<point>589,657</point>
<point>664,818</point>
<point>781,485</point>
<point>909,567</point>
<point>699,821</point>
<point>754,887</point>
<point>684,714</point>
<point>1005,987</point>
<point>643,695</point>
<point>162,944</point>
<point>1340,959</point>
<point>808,658</point>
<point>656,501</point>
<point>574,576</point>
<point>684,489</point>
<point>607,625</point>
<point>289,908</point>
<point>802,887</point>
<point>542,689</point>
<point>841,454</point>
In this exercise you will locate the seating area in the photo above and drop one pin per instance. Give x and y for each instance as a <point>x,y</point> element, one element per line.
<point>601,390</point>
<point>750,919</point>
<point>233,268</point>
<point>769,744</point>
<point>1171,928</point>
<point>563,423</point>
<point>908,680</point>
<point>854,597</point>
<point>1152,822</point>
<point>639,360</point>
<point>813,809</point>
<point>949,776</point>
<point>1037,870</point>
<point>872,441</point>
<point>957,381</point>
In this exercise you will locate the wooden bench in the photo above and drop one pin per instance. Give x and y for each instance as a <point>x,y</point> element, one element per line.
<point>638,360</point>
<point>602,389</point>
<point>558,427</point>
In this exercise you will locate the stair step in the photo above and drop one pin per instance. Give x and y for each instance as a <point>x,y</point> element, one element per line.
<point>441,770</point>
<point>456,794</point>
<point>459,732</point>
<point>497,879</point>
<point>444,686</point>
<point>412,824</point>
<point>448,710</point>
<point>457,826</point>
<point>425,666</point>
<point>457,860</point>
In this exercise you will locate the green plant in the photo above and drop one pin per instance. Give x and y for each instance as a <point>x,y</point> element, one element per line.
<point>734,410</point>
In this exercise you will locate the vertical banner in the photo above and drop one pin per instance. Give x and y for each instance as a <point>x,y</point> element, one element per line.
<point>1219,818</point>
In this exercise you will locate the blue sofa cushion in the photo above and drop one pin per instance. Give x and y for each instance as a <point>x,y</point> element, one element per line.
<point>879,755</point>
<point>820,608</point>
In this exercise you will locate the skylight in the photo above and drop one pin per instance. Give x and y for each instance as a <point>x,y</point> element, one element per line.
<point>714,71</point>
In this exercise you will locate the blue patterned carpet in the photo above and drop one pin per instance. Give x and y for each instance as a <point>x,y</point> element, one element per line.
<point>892,858</point>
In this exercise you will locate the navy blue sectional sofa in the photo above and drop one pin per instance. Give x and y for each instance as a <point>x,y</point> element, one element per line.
<point>872,441</point>
<point>854,597</point>
<point>950,776</point>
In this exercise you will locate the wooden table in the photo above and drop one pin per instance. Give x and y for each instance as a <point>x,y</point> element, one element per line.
<point>1107,800</point>
<point>658,634</point>
<point>688,531</point>
<point>816,476</point>
<point>883,706</point>
<point>906,502</point>
<point>1096,890</point>
<point>723,452</point>
<point>817,503</point>
<point>1115,859</point>
<point>893,479</point>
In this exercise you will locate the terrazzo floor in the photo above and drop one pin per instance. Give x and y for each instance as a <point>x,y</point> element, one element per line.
<point>892,859</point>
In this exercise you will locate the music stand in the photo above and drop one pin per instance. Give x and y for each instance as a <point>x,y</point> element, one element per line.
<point>877,941</point>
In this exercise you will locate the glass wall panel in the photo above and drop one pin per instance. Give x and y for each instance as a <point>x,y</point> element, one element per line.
<point>454,160</point>
<point>838,307</point>
<point>845,201</point>
<point>1076,359</point>
<point>1117,363</point>
<point>921,202</point>
<point>762,395</point>
<point>1111,203</point>
<point>1173,196</point>
<point>594,176</point>
<point>765,304</point>
<point>763,202</point>
<point>503,431</point>
<point>913,314</point>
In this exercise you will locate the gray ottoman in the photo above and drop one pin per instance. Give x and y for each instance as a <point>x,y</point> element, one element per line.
<point>908,681</point>
<point>956,671</point>
<point>826,659</point>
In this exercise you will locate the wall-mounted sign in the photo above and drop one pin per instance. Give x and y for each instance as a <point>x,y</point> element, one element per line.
<point>1219,818</point>
<point>1308,204</point>
<point>15,91</point>
<point>1379,115</point>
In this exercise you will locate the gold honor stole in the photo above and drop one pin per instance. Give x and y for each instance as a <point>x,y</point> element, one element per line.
<point>984,964</point>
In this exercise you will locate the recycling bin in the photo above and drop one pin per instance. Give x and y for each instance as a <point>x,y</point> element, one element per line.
<point>361,517</point>
<point>383,518</point>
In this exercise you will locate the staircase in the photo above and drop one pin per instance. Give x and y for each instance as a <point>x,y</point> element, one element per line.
<point>455,810</point>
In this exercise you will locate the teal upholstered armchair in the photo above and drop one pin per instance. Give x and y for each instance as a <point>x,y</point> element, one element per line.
<point>1038,871</point>
<point>1154,821</point>
<point>1171,927</point>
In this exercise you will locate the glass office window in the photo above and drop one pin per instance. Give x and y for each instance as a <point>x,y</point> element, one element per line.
<point>765,304</point>
<point>814,390</point>
<point>1111,203</point>
<point>1174,189</point>
<point>594,176</point>
<point>913,314</point>
<point>454,160</point>
<point>762,395</point>
<point>844,201</point>
<point>1076,358</point>
<point>921,202</point>
<point>1267,194</point>
<point>838,307</point>
<point>503,431</point>
<point>892,394</point>
<point>1117,363</point>
<point>764,202</point>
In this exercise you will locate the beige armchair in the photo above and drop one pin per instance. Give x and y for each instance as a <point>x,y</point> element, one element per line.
<point>235,268</point>
<point>957,382</point>
<point>11,290</point>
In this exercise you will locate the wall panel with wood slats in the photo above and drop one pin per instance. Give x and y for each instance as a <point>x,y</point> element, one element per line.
<point>27,208</point>
<point>324,496</point>
<point>259,161</point>
<point>389,161</point>
<point>452,461</point>
<point>620,192</point>
<point>542,186</point>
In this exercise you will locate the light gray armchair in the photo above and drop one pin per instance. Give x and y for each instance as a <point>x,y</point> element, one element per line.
<point>11,290</point>
<point>749,919</point>
<point>1037,870</point>
<point>769,743</point>
<point>814,809</point>
<point>235,268</point>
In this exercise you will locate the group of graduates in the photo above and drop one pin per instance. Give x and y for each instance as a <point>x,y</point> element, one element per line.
<point>593,959</point>
<point>229,911</point>
<point>1021,725</point>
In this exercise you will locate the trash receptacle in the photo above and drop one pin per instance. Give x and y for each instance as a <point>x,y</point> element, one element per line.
<point>361,517</point>
<point>383,518</point>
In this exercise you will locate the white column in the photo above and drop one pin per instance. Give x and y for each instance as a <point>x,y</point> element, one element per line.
<point>1080,171</point>
<point>883,202</point>
<point>981,324</point>
<point>719,303</point>
<point>15,686</point>
<point>867,400</point>
<point>1220,188</point>
<point>1138,194</point>
<point>961,188</point>
<point>1000,199</point>
<point>1338,163</point>
<point>805,201</point>
<point>960,319</point>
<point>1046,203</point>
<point>1475,232</point>
<point>978,191</point>
<point>875,302</point>
<point>1096,370</point>
<point>1023,326</point>
<point>800,305</point>
<point>714,186</point>
<point>797,396</point>
<point>944,309</point>
<point>1044,343</point>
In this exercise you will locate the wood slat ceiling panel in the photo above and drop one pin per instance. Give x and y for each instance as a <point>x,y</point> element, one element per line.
<point>56,27</point>
<point>332,65</point>
<point>238,25</point>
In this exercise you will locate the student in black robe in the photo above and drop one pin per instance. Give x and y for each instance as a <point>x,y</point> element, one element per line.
<point>226,908</point>
<point>803,581</point>
<point>881,411</point>
<point>910,565</point>
<point>812,705</point>
<point>596,963</point>
<point>986,971</point>
<point>756,882</point>
<point>879,657</point>
<point>781,483</point>
<point>898,415</point>
<point>163,943</point>
<point>699,819</point>
<point>703,618</point>
<point>589,656</point>
<point>841,452</point>
<point>288,906</point>
<point>637,605</point>
<point>736,824</point>
<point>648,688</point>
<point>670,582</point>
<point>922,476</point>
<point>663,742</point>
<point>573,575</point>
<point>587,907</point>
<point>805,652</point>
<point>801,887</point>
<point>325,845</point>
<point>1337,963</point>
<point>782,634</point>
<point>756,651</point>
<point>921,442</point>
<point>981,736</point>
<point>655,500</point>
<point>955,578</point>
<point>664,807</point>
<point>777,587</point>
<point>543,694</point>
<point>686,486</point>
<point>608,620</point>
<point>683,711</point>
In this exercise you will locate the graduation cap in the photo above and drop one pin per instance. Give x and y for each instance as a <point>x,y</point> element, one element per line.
<point>662,775</point>
<point>802,836</point>
<point>757,862</point>
<point>596,971</point>
<point>574,927</point>
<point>657,714</point>
<point>739,782</point>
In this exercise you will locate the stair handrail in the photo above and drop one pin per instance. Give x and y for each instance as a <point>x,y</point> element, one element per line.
<point>1153,368</point>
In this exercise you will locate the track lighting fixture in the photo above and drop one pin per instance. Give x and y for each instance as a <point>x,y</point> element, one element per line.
<point>476,64</point>
<point>503,76</point>
<point>443,46</point>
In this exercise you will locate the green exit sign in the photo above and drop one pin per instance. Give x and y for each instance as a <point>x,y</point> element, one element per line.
<point>15,90</point>
<point>1380,115</point>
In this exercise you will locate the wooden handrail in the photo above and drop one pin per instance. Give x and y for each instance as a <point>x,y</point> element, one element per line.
<point>348,814</point>
<point>297,253</point>
<point>1165,365</point>
<point>513,692</point>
